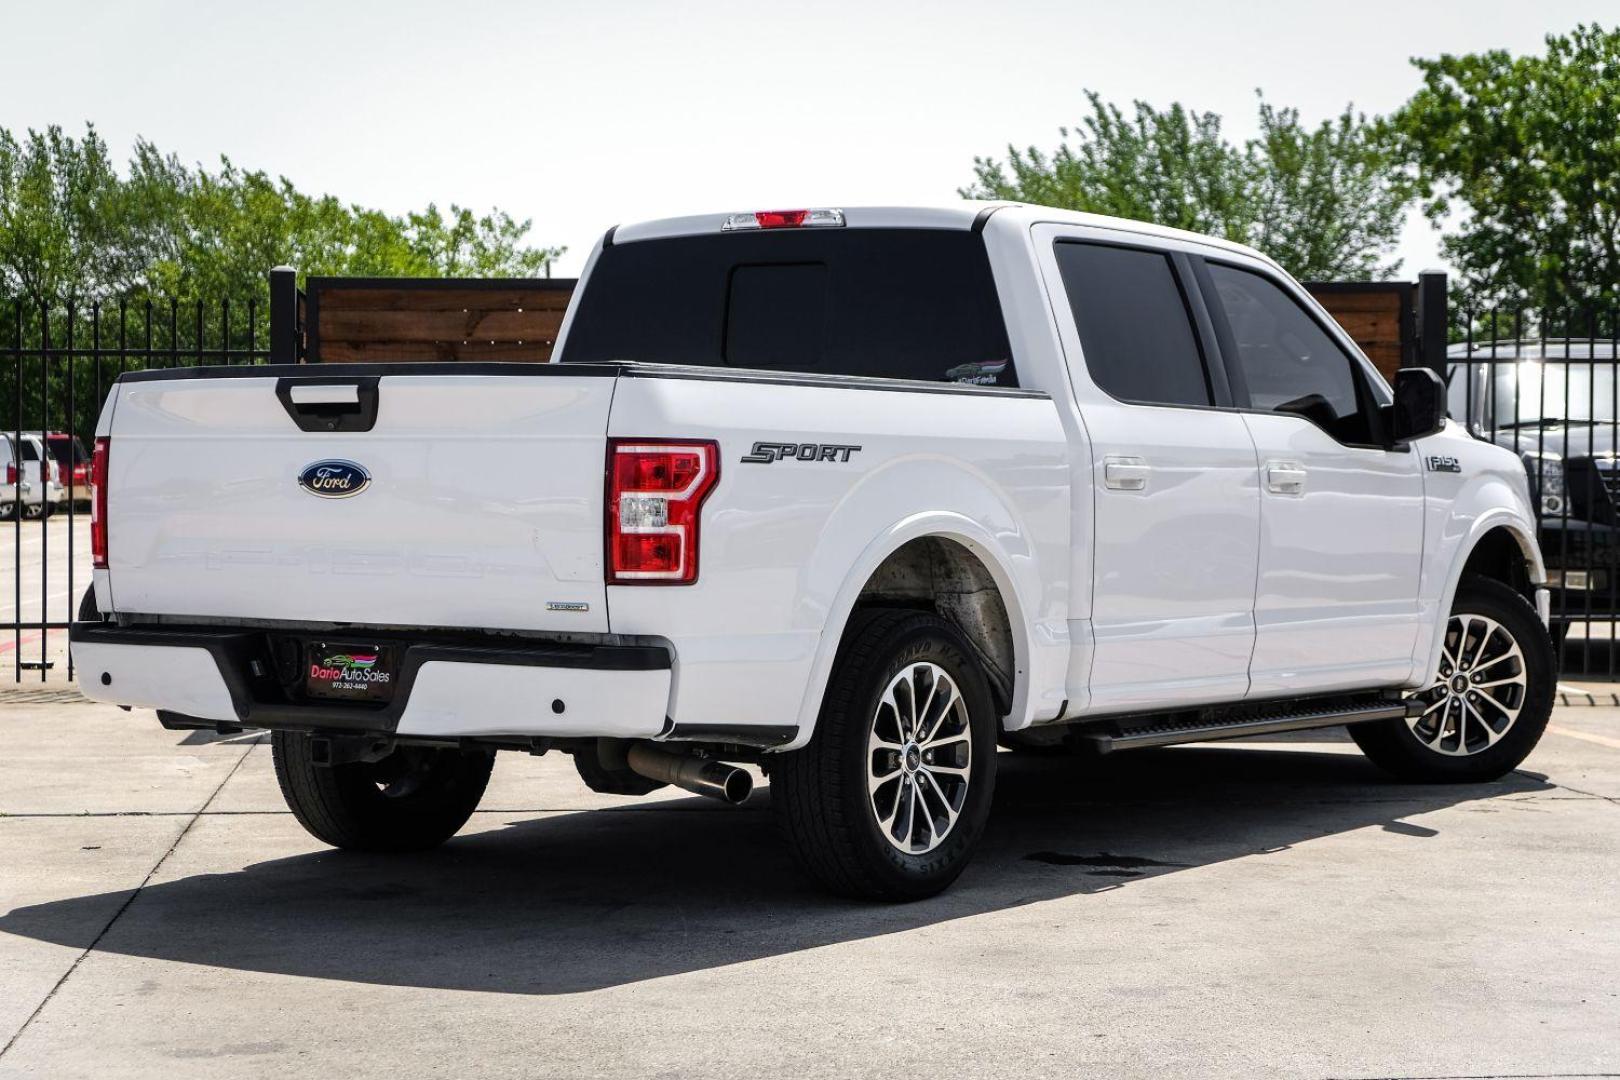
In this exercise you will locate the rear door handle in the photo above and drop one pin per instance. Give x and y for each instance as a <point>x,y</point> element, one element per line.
<point>1285,478</point>
<point>1123,473</point>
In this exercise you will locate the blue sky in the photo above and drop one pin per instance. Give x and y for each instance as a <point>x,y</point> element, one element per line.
<point>581,115</point>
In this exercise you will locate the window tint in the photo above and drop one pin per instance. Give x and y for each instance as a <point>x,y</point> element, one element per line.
<point>775,316</point>
<point>899,303</point>
<point>1290,363</point>
<point>30,450</point>
<point>1133,324</point>
<point>65,452</point>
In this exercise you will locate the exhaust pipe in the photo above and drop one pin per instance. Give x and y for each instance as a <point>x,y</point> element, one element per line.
<point>715,779</point>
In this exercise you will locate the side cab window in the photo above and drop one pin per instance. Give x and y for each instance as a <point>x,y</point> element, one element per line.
<point>1287,361</point>
<point>1134,324</point>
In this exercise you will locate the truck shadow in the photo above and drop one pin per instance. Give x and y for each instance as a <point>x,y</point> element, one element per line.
<point>583,901</point>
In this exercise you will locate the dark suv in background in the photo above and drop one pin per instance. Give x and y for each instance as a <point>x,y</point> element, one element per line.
<point>1556,403</point>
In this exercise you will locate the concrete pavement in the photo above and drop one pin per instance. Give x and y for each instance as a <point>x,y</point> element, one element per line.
<point>1260,909</point>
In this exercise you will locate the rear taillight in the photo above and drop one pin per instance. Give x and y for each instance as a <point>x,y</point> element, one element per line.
<point>656,489</point>
<point>98,504</point>
<point>11,474</point>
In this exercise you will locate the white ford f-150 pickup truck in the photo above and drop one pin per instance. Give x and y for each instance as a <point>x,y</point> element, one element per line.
<point>856,496</point>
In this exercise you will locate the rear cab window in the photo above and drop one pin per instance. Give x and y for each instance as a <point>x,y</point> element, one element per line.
<point>892,303</point>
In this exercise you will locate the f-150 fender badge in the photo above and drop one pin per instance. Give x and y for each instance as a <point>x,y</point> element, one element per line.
<point>334,479</point>
<point>766,452</point>
<point>1437,463</point>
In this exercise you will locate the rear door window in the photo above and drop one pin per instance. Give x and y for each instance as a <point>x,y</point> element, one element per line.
<point>1133,323</point>
<point>896,303</point>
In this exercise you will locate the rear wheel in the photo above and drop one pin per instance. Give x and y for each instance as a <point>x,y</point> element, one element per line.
<point>33,511</point>
<point>1489,702</point>
<point>412,799</point>
<point>890,796</point>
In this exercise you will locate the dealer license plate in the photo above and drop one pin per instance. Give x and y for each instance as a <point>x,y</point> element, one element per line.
<point>349,671</point>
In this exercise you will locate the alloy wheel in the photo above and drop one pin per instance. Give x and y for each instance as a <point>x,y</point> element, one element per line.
<point>919,758</point>
<point>1478,692</point>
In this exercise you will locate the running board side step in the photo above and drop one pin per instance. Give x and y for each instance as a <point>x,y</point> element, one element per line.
<point>1200,727</point>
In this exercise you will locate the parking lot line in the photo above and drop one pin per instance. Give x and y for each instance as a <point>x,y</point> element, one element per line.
<point>1585,736</point>
<point>11,643</point>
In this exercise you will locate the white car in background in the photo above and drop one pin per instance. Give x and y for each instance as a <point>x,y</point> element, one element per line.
<point>11,480</point>
<point>40,496</point>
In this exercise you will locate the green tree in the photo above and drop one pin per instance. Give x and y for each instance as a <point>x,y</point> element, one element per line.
<point>169,260</point>
<point>1325,202</point>
<point>67,222</point>
<point>1329,202</point>
<point>1525,152</point>
<point>73,230</point>
<point>1172,167</point>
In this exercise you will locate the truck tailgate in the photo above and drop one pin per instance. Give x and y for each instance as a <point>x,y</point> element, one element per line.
<point>483,506</point>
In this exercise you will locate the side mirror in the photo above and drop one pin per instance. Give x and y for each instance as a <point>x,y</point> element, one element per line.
<point>1420,405</point>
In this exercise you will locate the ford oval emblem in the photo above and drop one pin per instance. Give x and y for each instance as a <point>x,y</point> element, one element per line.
<point>334,479</point>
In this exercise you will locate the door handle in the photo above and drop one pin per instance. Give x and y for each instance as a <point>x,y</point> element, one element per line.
<point>1121,473</point>
<point>1285,477</point>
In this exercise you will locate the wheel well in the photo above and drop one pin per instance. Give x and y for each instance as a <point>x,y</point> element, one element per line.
<point>933,573</point>
<point>1498,556</point>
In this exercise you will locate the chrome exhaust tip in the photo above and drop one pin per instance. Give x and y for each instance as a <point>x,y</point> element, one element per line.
<point>712,779</point>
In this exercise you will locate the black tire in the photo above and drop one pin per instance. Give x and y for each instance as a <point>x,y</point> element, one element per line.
<point>1393,746</point>
<point>414,799</point>
<point>819,793</point>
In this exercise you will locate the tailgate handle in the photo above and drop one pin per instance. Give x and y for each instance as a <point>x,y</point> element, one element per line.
<point>330,403</point>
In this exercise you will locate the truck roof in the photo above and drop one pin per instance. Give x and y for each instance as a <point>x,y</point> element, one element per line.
<point>956,215</point>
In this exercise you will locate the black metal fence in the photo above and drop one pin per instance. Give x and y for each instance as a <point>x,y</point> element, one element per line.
<point>56,366</point>
<point>1543,384</point>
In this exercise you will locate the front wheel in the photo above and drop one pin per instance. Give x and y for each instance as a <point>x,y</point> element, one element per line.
<point>889,798</point>
<point>412,799</point>
<point>1488,704</point>
<point>33,511</point>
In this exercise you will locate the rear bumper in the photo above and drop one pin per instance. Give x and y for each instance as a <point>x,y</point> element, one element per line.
<point>446,689</point>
